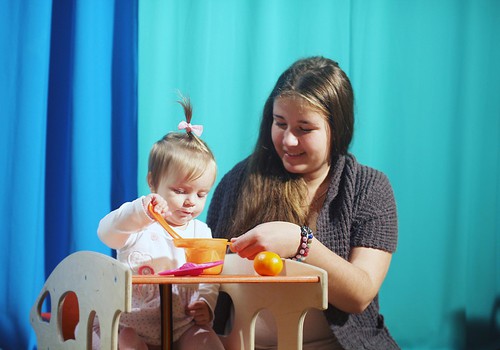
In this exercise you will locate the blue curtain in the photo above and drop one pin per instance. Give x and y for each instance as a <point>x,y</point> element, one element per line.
<point>68,102</point>
<point>426,78</point>
<point>87,86</point>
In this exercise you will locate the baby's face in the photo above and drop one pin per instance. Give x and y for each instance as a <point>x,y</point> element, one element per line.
<point>186,199</point>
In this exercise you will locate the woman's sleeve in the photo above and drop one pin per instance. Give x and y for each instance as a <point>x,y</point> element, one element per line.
<point>375,224</point>
<point>223,201</point>
<point>214,209</point>
<point>219,213</point>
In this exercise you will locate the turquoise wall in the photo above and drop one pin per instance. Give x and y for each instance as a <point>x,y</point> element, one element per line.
<point>426,78</point>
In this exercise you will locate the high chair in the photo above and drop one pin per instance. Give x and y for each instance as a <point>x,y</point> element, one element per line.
<point>102,287</point>
<point>83,285</point>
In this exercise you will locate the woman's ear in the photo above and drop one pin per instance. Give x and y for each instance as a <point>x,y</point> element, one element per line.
<point>149,179</point>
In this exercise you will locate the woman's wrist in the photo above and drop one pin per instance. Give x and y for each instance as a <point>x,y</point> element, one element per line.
<point>306,237</point>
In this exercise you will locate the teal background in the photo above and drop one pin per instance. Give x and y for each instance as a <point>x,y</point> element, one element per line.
<point>426,76</point>
<point>427,83</point>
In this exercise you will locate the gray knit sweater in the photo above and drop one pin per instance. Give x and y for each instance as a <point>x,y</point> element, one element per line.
<point>359,211</point>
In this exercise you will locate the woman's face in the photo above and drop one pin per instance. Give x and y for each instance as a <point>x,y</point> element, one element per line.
<point>301,136</point>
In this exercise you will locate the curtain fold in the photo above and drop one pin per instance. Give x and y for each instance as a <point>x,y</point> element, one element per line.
<point>68,82</point>
<point>24,62</point>
<point>124,113</point>
<point>59,138</point>
<point>91,117</point>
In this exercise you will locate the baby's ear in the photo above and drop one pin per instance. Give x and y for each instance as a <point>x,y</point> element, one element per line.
<point>149,179</point>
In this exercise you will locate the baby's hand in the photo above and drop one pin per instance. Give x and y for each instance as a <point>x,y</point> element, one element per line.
<point>160,205</point>
<point>200,311</point>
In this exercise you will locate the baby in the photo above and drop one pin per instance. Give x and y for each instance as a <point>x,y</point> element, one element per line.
<point>181,172</point>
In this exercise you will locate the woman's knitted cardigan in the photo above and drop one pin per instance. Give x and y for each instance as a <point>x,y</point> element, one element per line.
<point>359,211</point>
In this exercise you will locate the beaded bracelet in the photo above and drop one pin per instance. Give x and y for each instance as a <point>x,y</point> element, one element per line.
<point>306,237</point>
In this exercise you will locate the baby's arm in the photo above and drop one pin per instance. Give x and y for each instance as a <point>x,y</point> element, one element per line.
<point>208,297</point>
<point>116,227</point>
<point>132,217</point>
<point>200,311</point>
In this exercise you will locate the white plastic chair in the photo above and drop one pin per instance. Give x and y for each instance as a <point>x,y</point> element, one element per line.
<point>102,286</point>
<point>288,302</point>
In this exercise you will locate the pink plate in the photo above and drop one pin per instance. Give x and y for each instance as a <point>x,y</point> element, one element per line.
<point>191,269</point>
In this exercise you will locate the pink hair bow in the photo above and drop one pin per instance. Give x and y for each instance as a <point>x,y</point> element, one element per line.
<point>195,129</point>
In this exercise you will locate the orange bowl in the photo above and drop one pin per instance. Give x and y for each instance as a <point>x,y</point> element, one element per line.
<point>204,250</point>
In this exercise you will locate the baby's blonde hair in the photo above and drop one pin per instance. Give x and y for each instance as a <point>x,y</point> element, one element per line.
<point>180,154</point>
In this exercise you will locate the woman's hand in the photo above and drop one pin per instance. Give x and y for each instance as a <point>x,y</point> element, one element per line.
<point>159,204</point>
<point>280,237</point>
<point>352,284</point>
<point>200,312</point>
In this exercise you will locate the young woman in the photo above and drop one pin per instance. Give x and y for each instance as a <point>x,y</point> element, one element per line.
<point>303,196</point>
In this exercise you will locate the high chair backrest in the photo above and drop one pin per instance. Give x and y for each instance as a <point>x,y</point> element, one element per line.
<point>84,285</point>
<point>288,302</point>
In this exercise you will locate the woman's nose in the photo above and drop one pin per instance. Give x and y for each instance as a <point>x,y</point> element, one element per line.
<point>289,139</point>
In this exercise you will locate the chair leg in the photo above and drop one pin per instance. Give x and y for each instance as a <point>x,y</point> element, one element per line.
<point>290,331</point>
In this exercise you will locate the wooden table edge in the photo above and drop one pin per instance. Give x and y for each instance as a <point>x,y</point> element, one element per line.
<point>217,279</point>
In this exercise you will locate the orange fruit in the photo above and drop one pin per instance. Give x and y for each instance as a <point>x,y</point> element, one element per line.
<point>267,263</point>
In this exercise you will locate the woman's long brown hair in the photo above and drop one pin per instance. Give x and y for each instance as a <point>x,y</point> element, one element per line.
<point>269,192</point>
